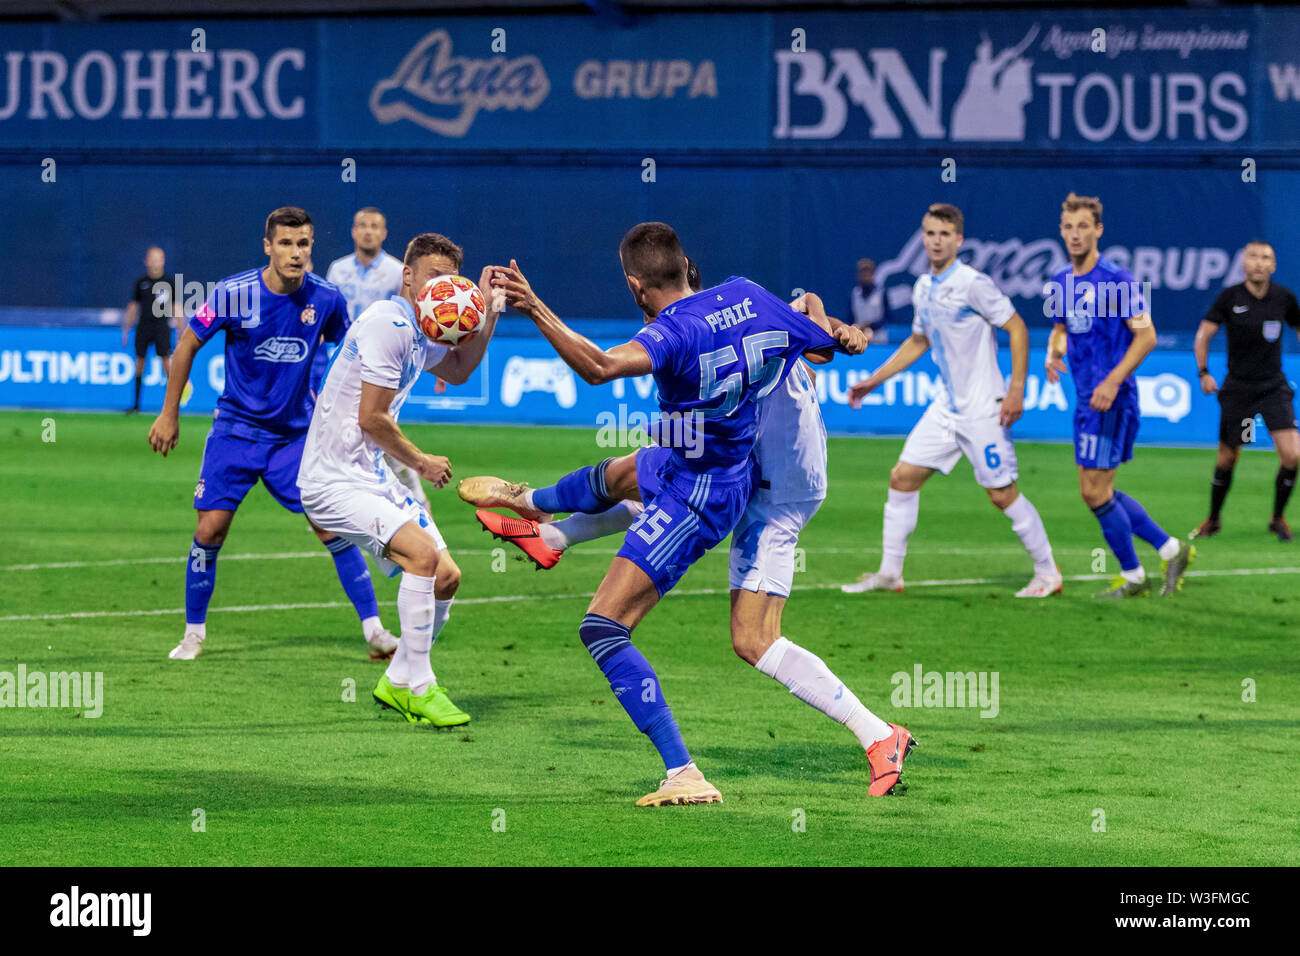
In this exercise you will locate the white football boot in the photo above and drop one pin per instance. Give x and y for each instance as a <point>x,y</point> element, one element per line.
<point>382,643</point>
<point>190,647</point>
<point>874,581</point>
<point>1043,585</point>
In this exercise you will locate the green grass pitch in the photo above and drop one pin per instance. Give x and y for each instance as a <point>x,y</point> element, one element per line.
<point>1132,710</point>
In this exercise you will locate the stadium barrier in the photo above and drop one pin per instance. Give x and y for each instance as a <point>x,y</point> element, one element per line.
<point>522,382</point>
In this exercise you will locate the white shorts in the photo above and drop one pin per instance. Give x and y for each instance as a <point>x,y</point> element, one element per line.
<point>939,439</point>
<point>763,545</point>
<point>368,517</point>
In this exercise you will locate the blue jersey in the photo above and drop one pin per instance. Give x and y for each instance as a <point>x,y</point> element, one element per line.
<point>1096,308</point>
<point>714,355</point>
<point>270,343</point>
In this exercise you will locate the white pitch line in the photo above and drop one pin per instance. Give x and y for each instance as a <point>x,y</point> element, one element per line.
<point>509,598</point>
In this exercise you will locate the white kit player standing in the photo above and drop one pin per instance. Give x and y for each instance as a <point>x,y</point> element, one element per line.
<point>367,276</point>
<point>347,488</point>
<point>957,310</point>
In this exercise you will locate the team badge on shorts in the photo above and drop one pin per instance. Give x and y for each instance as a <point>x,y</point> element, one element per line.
<point>308,315</point>
<point>377,527</point>
<point>198,490</point>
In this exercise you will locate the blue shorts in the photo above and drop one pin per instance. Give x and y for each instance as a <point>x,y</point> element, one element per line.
<point>232,465</point>
<point>1105,439</point>
<point>686,514</point>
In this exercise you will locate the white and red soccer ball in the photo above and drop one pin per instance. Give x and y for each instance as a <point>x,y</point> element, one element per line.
<point>450,310</point>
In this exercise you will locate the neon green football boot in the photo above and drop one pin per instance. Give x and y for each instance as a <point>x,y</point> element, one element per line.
<point>435,707</point>
<point>1121,587</point>
<point>395,698</point>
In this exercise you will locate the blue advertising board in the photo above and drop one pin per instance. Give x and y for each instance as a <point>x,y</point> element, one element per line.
<point>522,382</point>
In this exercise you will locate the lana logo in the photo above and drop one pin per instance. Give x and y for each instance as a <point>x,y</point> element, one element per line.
<point>282,348</point>
<point>443,93</point>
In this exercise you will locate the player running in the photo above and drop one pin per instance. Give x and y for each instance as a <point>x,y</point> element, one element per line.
<point>790,485</point>
<point>274,319</point>
<point>957,310</point>
<point>1254,312</point>
<point>347,490</point>
<point>368,276</point>
<point>1108,332</point>
<point>713,355</point>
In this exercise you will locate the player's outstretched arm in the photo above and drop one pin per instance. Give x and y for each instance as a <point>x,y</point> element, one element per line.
<point>459,363</point>
<point>853,340</point>
<point>375,420</point>
<point>1144,340</point>
<point>1056,345</point>
<point>913,347</point>
<point>593,365</point>
<point>1013,403</point>
<point>1201,348</point>
<point>165,431</point>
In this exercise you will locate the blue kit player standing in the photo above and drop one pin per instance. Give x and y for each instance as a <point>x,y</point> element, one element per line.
<point>713,355</point>
<point>1108,332</point>
<point>274,319</point>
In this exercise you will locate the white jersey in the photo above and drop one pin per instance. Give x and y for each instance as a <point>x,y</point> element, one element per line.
<point>958,310</point>
<point>363,286</point>
<point>384,347</point>
<point>791,442</point>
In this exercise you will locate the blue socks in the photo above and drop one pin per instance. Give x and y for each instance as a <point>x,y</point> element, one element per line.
<point>1141,522</point>
<point>1118,532</point>
<point>634,683</point>
<point>354,575</point>
<point>582,491</point>
<point>200,579</point>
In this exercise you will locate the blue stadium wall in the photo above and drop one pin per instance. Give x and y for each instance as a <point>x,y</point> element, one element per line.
<point>782,146</point>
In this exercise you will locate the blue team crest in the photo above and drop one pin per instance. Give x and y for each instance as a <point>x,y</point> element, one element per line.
<point>308,315</point>
<point>1272,329</point>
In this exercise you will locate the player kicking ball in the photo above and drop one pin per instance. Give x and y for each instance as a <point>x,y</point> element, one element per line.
<point>275,319</point>
<point>761,566</point>
<point>1107,332</point>
<point>348,491</point>
<point>957,310</point>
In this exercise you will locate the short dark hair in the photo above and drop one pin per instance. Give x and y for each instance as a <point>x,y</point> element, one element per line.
<point>1074,202</point>
<point>1259,242</point>
<point>433,244</point>
<point>290,216</point>
<point>650,251</point>
<point>369,211</point>
<point>947,212</point>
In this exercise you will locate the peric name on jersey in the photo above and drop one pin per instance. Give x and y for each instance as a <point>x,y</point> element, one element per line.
<point>731,315</point>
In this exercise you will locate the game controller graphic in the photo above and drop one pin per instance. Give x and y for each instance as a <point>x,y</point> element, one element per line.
<point>538,375</point>
<point>1165,395</point>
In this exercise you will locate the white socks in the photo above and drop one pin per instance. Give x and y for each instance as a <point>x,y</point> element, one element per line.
<point>371,626</point>
<point>441,611</point>
<point>1169,550</point>
<point>578,528</point>
<point>200,629</point>
<point>1026,522</point>
<point>900,522</point>
<point>809,679</point>
<point>410,666</point>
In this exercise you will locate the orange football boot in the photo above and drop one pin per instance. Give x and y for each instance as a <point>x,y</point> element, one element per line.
<point>523,534</point>
<point>885,760</point>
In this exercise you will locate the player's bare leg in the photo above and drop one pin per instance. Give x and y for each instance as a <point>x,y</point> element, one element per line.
<point>621,602</point>
<point>210,532</point>
<point>409,685</point>
<point>1225,463</point>
<point>1287,442</point>
<point>901,507</point>
<point>354,575</point>
<point>756,639</point>
<point>1028,525</point>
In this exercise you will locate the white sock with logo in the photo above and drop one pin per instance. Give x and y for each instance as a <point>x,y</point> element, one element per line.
<point>441,612</point>
<point>410,666</point>
<point>578,528</point>
<point>1026,522</point>
<point>900,521</point>
<point>809,679</point>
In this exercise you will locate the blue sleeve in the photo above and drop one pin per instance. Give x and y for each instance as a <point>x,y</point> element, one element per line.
<point>1136,304</point>
<point>212,315</point>
<point>664,342</point>
<point>336,322</point>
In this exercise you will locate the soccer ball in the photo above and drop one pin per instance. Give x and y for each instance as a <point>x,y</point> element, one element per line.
<point>450,310</point>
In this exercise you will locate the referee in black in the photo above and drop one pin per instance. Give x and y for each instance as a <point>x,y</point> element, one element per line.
<point>151,310</point>
<point>1256,312</point>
